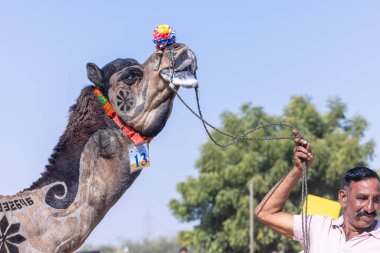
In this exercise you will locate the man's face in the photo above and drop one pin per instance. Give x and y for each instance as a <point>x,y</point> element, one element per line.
<point>361,202</point>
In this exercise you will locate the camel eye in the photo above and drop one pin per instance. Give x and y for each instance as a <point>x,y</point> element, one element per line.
<point>130,75</point>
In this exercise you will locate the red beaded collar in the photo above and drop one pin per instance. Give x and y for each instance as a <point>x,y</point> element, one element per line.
<point>127,130</point>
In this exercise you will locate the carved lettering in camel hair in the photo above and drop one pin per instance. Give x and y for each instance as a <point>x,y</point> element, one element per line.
<point>89,169</point>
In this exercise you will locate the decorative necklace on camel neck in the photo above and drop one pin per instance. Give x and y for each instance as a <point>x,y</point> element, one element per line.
<point>135,137</point>
<point>139,150</point>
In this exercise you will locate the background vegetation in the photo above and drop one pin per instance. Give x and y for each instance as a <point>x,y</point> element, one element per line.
<point>218,199</point>
<point>160,245</point>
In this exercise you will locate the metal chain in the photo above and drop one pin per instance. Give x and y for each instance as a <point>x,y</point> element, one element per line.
<point>304,193</point>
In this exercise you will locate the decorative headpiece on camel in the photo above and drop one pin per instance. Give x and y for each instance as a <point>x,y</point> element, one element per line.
<point>99,155</point>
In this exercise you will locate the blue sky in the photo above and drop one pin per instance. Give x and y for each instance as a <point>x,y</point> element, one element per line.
<point>261,52</point>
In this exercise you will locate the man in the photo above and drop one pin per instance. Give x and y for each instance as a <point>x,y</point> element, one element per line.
<point>183,250</point>
<point>357,231</point>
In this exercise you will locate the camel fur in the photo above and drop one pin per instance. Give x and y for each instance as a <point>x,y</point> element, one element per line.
<point>89,169</point>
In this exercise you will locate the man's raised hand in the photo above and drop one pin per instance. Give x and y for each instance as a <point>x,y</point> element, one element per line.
<point>302,151</point>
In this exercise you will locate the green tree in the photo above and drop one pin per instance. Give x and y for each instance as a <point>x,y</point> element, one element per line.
<point>218,198</point>
<point>101,249</point>
<point>159,245</point>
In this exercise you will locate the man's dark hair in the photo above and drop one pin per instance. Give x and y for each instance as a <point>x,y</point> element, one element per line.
<point>183,249</point>
<point>357,174</point>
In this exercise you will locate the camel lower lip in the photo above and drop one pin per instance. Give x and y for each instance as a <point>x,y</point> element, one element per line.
<point>184,78</point>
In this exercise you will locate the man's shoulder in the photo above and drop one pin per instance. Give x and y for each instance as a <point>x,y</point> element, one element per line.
<point>318,219</point>
<point>317,225</point>
<point>316,222</point>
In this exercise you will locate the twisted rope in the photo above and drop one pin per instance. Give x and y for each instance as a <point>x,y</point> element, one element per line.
<point>304,193</point>
<point>234,138</point>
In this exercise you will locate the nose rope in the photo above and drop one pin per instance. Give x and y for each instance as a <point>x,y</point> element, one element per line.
<point>159,60</point>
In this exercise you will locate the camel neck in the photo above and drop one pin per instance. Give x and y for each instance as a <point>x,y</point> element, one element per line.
<point>86,117</point>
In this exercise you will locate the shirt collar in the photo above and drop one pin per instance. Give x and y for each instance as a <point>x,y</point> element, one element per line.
<point>338,222</point>
<point>374,232</point>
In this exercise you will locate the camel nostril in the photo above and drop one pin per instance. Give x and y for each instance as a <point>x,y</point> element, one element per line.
<point>180,59</point>
<point>184,60</point>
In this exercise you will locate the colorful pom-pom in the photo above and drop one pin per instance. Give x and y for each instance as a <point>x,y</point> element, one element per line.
<point>163,36</point>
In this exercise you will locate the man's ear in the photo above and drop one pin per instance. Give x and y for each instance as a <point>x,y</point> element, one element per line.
<point>95,74</point>
<point>343,197</point>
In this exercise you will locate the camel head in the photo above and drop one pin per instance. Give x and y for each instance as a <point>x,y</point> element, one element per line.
<point>142,94</point>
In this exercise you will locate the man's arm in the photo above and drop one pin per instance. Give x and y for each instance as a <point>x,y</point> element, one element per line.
<point>269,211</point>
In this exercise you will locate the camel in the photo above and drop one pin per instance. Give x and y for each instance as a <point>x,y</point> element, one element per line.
<point>91,166</point>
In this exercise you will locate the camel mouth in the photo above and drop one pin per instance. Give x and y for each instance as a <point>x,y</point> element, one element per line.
<point>154,127</point>
<point>183,74</point>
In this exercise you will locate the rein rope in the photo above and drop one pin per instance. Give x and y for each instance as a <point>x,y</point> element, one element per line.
<point>234,138</point>
<point>244,136</point>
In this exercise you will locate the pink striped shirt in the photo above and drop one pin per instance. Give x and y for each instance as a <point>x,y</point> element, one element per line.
<point>327,236</point>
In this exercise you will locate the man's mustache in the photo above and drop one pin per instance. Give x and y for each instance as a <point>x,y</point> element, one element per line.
<point>364,213</point>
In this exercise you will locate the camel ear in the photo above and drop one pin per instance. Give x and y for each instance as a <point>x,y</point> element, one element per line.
<point>95,74</point>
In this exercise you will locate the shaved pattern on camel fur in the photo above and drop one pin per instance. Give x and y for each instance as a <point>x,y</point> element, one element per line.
<point>95,181</point>
<point>86,117</point>
<point>90,168</point>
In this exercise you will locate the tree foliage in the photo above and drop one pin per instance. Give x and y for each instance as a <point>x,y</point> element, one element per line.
<point>218,199</point>
<point>159,245</point>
